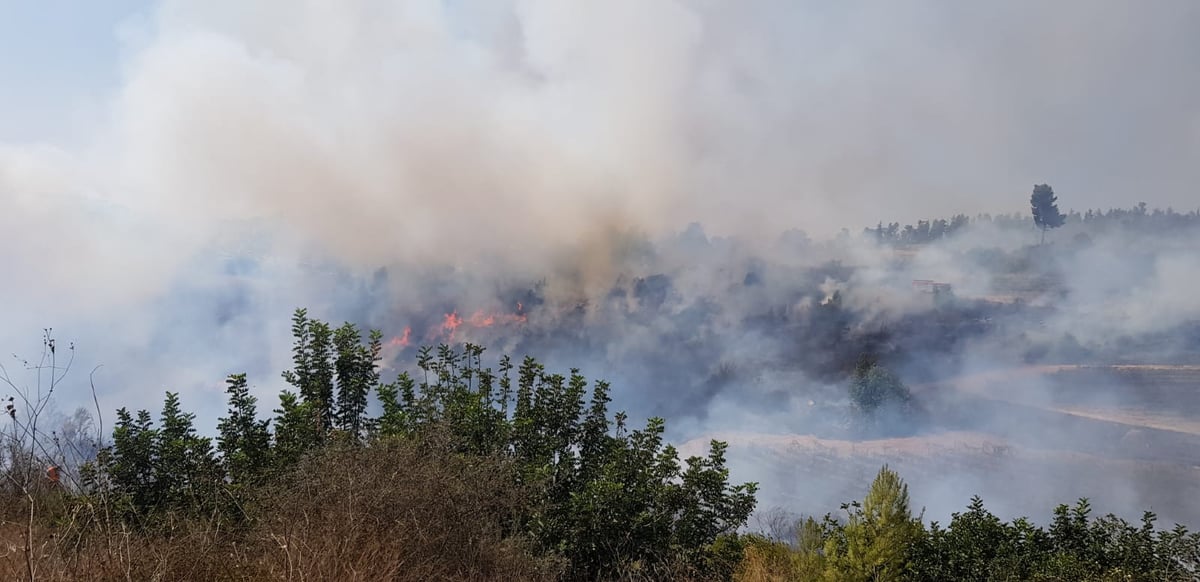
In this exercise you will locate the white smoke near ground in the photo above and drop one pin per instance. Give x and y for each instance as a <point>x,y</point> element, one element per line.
<point>382,162</point>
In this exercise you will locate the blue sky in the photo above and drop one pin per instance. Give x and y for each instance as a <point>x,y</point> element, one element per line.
<point>58,61</point>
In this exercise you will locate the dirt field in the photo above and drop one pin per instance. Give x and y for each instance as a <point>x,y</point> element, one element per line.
<point>1160,397</point>
<point>1126,437</point>
<point>1161,420</point>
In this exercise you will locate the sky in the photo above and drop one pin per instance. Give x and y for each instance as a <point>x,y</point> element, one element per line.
<point>60,61</point>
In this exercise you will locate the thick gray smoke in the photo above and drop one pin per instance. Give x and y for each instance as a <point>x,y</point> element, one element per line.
<point>538,162</point>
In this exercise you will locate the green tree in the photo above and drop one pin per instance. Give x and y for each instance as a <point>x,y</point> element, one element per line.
<point>126,468</point>
<point>1045,209</point>
<point>333,372</point>
<point>878,535</point>
<point>298,429</point>
<point>150,470</point>
<point>874,391</point>
<point>243,440</point>
<point>357,369</point>
<point>313,371</point>
<point>398,400</point>
<point>614,503</point>
<point>186,471</point>
<point>978,547</point>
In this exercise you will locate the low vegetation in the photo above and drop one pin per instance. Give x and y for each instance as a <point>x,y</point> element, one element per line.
<point>881,539</point>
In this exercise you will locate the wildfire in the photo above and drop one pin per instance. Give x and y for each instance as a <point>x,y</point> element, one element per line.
<point>483,319</point>
<point>452,322</point>
<point>402,340</point>
<point>479,319</point>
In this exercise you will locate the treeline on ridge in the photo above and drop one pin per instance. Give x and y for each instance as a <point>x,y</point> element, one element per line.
<point>1138,220</point>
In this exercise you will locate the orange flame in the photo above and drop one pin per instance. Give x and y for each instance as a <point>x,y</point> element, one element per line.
<point>479,319</point>
<point>451,322</point>
<point>402,340</point>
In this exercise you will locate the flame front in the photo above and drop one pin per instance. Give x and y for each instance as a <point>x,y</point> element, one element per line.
<point>479,319</point>
<point>452,323</point>
<point>402,340</point>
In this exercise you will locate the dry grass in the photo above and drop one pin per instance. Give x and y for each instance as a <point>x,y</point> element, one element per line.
<point>766,563</point>
<point>389,512</point>
<point>196,553</point>
<point>395,512</point>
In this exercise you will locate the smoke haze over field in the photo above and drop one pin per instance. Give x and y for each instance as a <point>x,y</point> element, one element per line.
<point>394,162</point>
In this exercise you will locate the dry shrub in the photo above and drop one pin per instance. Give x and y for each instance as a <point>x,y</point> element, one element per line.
<point>74,540</point>
<point>765,560</point>
<point>201,553</point>
<point>390,511</point>
<point>397,511</point>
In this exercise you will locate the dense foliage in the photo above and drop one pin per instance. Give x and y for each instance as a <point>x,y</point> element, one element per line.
<point>609,499</point>
<point>880,539</point>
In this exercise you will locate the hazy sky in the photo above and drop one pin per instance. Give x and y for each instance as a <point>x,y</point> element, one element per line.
<point>59,59</point>
<point>809,107</point>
